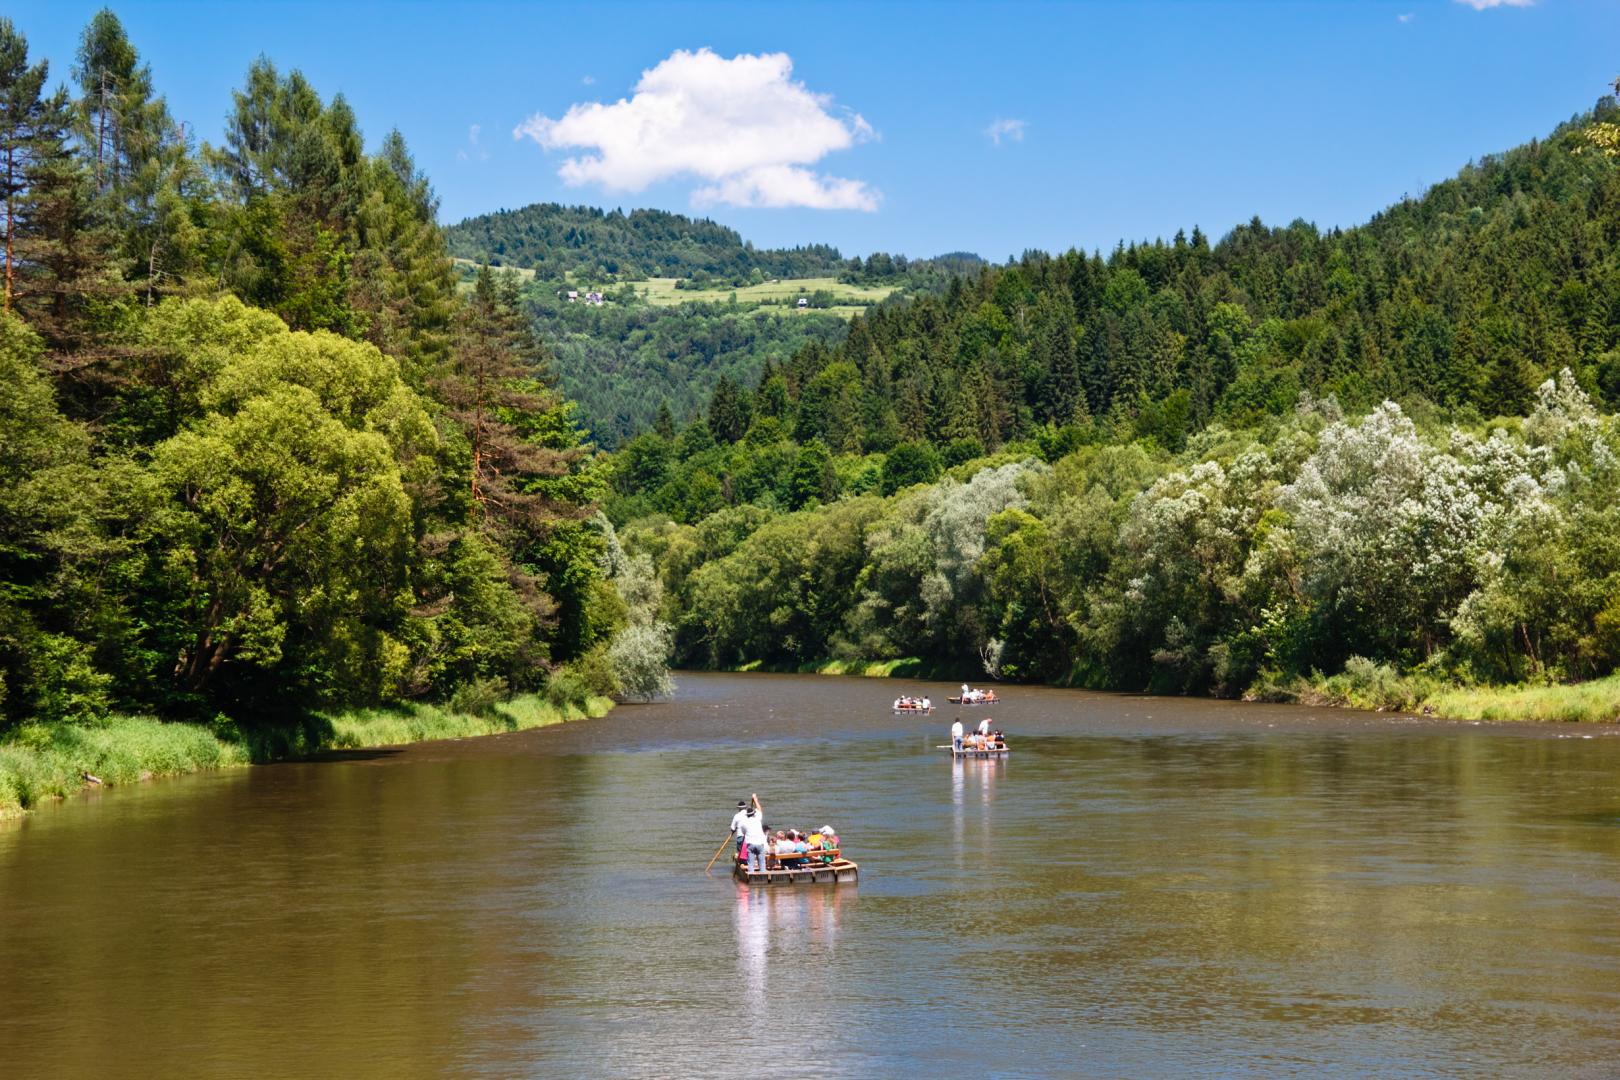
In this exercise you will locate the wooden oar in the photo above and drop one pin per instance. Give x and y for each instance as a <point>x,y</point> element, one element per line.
<point>723,845</point>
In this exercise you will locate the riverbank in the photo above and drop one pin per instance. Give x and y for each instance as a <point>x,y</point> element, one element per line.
<point>1362,685</point>
<point>41,762</point>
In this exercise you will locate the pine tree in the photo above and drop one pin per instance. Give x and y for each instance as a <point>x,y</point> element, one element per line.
<point>730,411</point>
<point>148,182</point>
<point>23,120</point>
<point>62,241</point>
<point>1061,399</point>
<point>496,373</point>
<point>664,422</point>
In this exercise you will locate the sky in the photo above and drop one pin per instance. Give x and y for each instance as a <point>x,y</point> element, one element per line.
<point>910,128</point>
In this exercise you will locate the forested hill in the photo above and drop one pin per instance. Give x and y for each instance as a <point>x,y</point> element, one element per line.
<point>1464,299</point>
<point>1388,451</point>
<point>555,240</point>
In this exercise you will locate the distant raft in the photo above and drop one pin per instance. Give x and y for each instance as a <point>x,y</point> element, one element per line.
<point>813,872</point>
<point>918,709</point>
<point>1000,750</point>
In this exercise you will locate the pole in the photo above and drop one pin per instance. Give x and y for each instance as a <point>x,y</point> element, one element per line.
<point>723,845</point>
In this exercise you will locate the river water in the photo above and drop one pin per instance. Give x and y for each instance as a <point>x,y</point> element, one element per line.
<point>1147,887</point>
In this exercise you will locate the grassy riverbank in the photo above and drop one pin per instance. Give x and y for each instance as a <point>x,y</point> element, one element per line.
<point>39,762</point>
<point>1362,685</point>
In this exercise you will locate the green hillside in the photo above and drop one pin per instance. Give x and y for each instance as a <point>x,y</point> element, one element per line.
<point>1386,451</point>
<point>556,240</point>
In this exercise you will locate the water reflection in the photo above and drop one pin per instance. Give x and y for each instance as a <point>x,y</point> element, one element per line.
<point>1145,888</point>
<point>783,925</point>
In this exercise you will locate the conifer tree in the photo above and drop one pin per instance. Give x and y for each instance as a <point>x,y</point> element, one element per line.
<point>730,411</point>
<point>496,372</point>
<point>23,124</point>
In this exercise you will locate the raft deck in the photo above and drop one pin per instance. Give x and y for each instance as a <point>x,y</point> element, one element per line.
<point>817,873</point>
<point>998,752</point>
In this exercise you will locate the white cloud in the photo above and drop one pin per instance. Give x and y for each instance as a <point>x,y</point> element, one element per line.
<point>1408,17</point>
<point>1011,130</point>
<point>588,80</point>
<point>473,147</point>
<point>743,125</point>
<point>1481,5</point>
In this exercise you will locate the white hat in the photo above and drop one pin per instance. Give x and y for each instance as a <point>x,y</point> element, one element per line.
<point>826,830</point>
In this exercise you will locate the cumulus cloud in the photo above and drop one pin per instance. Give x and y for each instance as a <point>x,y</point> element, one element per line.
<point>1481,5</point>
<point>1011,130</point>
<point>742,125</point>
<point>1408,17</point>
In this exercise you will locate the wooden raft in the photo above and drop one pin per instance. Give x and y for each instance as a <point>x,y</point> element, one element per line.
<point>812,873</point>
<point>966,752</point>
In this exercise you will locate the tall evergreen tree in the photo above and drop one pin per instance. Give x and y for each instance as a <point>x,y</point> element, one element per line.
<point>24,131</point>
<point>496,373</point>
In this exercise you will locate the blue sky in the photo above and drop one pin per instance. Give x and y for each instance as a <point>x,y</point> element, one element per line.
<point>1117,121</point>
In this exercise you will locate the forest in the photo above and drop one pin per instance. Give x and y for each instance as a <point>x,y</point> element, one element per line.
<point>555,241</point>
<point>258,456</point>
<point>1382,455</point>
<point>624,361</point>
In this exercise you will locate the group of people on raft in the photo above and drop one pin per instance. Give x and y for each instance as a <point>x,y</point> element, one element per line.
<point>985,738</point>
<point>760,850</point>
<point>913,704</point>
<point>970,696</point>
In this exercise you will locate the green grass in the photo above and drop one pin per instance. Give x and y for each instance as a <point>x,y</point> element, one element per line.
<point>523,272</point>
<point>850,300</point>
<point>906,667</point>
<point>1597,701</point>
<point>39,762</point>
<point>663,293</point>
<point>1365,685</point>
<point>417,723</point>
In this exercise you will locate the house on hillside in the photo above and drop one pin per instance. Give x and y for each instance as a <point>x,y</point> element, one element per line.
<point>803,303</point>
<point>573,294</point>
<point>595,299</point>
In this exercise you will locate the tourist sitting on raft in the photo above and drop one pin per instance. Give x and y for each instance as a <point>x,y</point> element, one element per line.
<point>791,849</point>
<point>970,696</point>
<point>986,741</point>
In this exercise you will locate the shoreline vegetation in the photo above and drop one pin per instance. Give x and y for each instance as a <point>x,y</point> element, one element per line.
<point>1368,686</point>
<point>42,762</point>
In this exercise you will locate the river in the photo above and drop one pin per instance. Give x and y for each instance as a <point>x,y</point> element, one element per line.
<point>1147,887</point>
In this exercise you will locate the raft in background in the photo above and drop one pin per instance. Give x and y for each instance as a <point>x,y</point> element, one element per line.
<point>836,872</point>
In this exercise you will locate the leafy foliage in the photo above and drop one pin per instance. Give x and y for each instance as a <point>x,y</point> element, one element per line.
<point>256,454</point>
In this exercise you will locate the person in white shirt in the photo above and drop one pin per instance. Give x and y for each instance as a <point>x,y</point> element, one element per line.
<point>984,726</point>
<point>956,735</point>
<point>737,823</point>
<point>754,837</point>
<point>926,704</point>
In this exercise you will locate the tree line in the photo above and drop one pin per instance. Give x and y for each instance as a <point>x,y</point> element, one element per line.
<point>1187,465</point>
<point>556,240</point>
<point>257,456</point>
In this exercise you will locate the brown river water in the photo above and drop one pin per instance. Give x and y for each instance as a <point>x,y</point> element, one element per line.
<point>1147,887</point>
